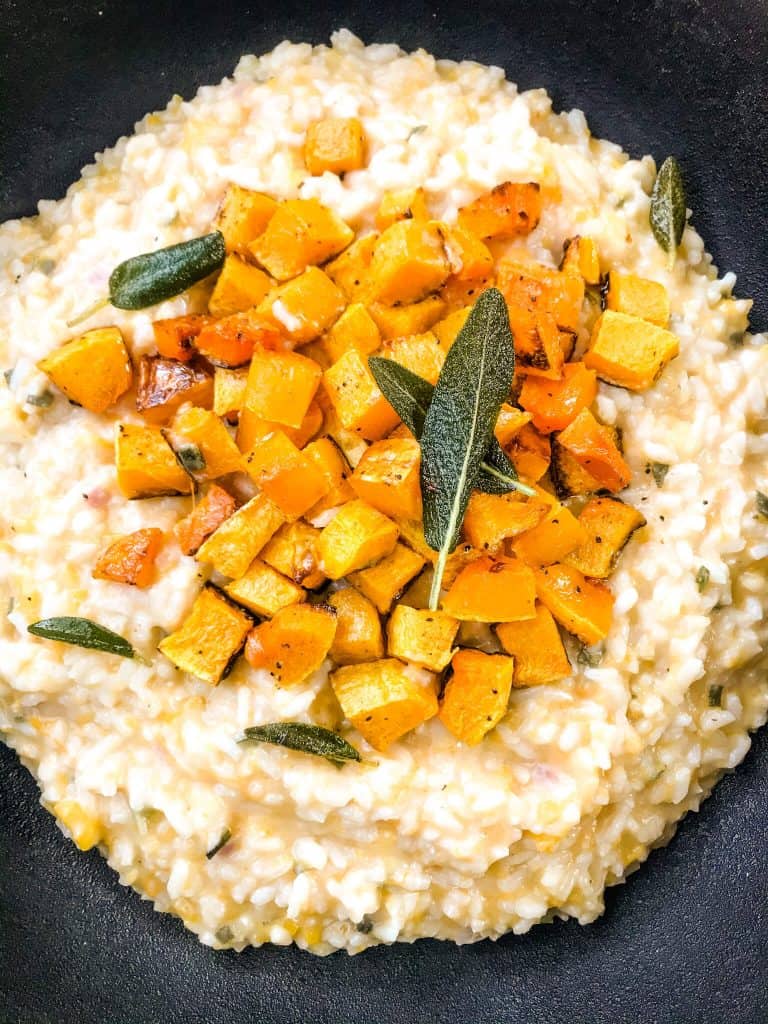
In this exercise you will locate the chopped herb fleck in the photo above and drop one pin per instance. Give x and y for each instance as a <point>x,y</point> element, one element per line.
<point>8,374</point>
<point>762,503</point>
<point>659,470</point>
<point>224,838</point>
<point>590,656</point>
<point>715,697</point>
<point>43,401</point>
<point>365,927</point>
<point>702,578</point>
<point>224,934</point>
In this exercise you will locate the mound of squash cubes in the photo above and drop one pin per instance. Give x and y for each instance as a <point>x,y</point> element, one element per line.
<point>327,559</point>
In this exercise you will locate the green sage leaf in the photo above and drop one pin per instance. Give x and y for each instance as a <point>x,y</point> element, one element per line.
<point>306,738</point>
<point>668,208</point>
<point>69,629</point>
<point>702,578</point>
<point>659,471</point>
<point>410,395</point>
<point>191,458</point>
<point>476,378</point>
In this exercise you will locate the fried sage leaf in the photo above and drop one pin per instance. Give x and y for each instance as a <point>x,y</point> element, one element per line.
<point>306,738</point>
<point>68,629</point>
<point>668,208</point>
<point>474,381</point>
<point>410,395</point>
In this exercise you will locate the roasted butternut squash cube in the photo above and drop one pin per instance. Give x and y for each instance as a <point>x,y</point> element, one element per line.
<point>382,700</point>
<point>537,648</point>
<point>580,256</point>
<point>456,294</point>
<point>388,578</point>
<point>508,210</point>
<point>491,519</point>
<point>228,391</point>
<point>232,547</point>
<point>476,696</point>
<point>238,287</point>
<point>568,477</point>
<point>593,446</point>
<point>419,353</point>
<point>422,636</point>
<point>356,397</point>
<point>285,474</point>
<point>93,370</point>
<point>281,386</point>
<point>492,590</point>
<point>408,318</point>
<point>629,352</point>
<point>356,536</point>
<point>293,644</point>
<point>293,552</point>
<point>387,477</point>
<point>582,607</point>
<point>530,453</point>
<point>243,216</point>
<point>301,234</point>
<point>165,384</point>
<point>637,296</point>
<point>553,404</point>
<point>470,259</point>
<point>408,262</point>
<point>555,536</point>
<point>205,432</point>
<point>328,458</point>
<point>131,559</point>
<point>145,463</point>
<point>349,271</point>
<point>609,525</point>
<point>536,287</point>
<point>447,330</point>
<point>412,534</point>
<point>209,640</point>
<point>263,590</point>
<point>335,144</point>
<point>175,336</point>
<point>356,329</point>
<point>350,444</point>
<point>405,204</point>
<point>538,343</point>
<point>231,341</point>
<point>208,514</point>
<point>305,307</point>
<point>509,423</point>
<point>358,628</point>
<point>251,428</point>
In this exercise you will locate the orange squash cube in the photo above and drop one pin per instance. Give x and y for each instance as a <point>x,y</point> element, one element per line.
<point>328,458</point>
<point>408,318</point>
<point>350,269</point>
<point>263,590</point>
<point>356,536</point>
<point>131,559</point>
<point>242,217</point>
<point>335,144</point>
<point>382,700</point>
<point>238,287</point>
<point>581,606</point>
<point>638,296</point>
<point>209,640</point>
<point>293,644</point>
<point>285,474</point>
<point>476,696</point>
<point>387,477</point>
<point>491,519</point>
<point>230,342</point>
<point>174,336</point>
<point>232,547</point>
<point>293,552</point>
<point>593,446</point>
<point>206,433</point>
<point>305,307</point>
<point>281,386</point>
<point>580,257</point>
<point>358,628</point>
<point>492,590</point>
<point>609,525</point>
<point>509,424</point>
<point>508,210</point>
<point>629,352</point>
<point>557,534</point>
<point>422,636</point>
<point>470,259</point>
<point>93,370</point>
<point>407,204</point>
<point>553,404</point>
<point>145,463</point>
<point>384,581</point>
<point>419,353</point>
<point>447,330</point>
<point>228,391</point>
<point>251,427</point>
<point>208,514</point>
<point>408,262</point>
<point>356,397</point>
<point>530,453</point>
<point>537,648</point>
<point>356,329</point>
<point>302,233</point>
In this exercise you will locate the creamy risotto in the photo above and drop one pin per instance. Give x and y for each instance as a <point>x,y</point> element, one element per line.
<point>461,821</point>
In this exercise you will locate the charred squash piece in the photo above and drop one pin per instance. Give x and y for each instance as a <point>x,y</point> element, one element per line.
<point>174,337</point>
<point>421,636</point>
<point>231,341</point>
<point>476,696</point>
<point>530,453</point>
<point>508,210</point>
<point>358,634</point>
<point>165,384</point>
<point>209,640</point>
<point>131,559</point>
<point>592,445</point>
<point>145,463</point>
<point>609,525</point>
<point>207,516</point>
<point>569,478</point>
<point>93,370</point>
<point>241,536</point>
<point>582,607</point>
<point>382,700</point>
<point>293,644</point>
<point>492,590</point>
<point>537,648</point>
<point>293,552</point>
<point>580,256</point>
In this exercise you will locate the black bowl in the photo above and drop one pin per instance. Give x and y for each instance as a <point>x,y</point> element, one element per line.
<point>685,940</point>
